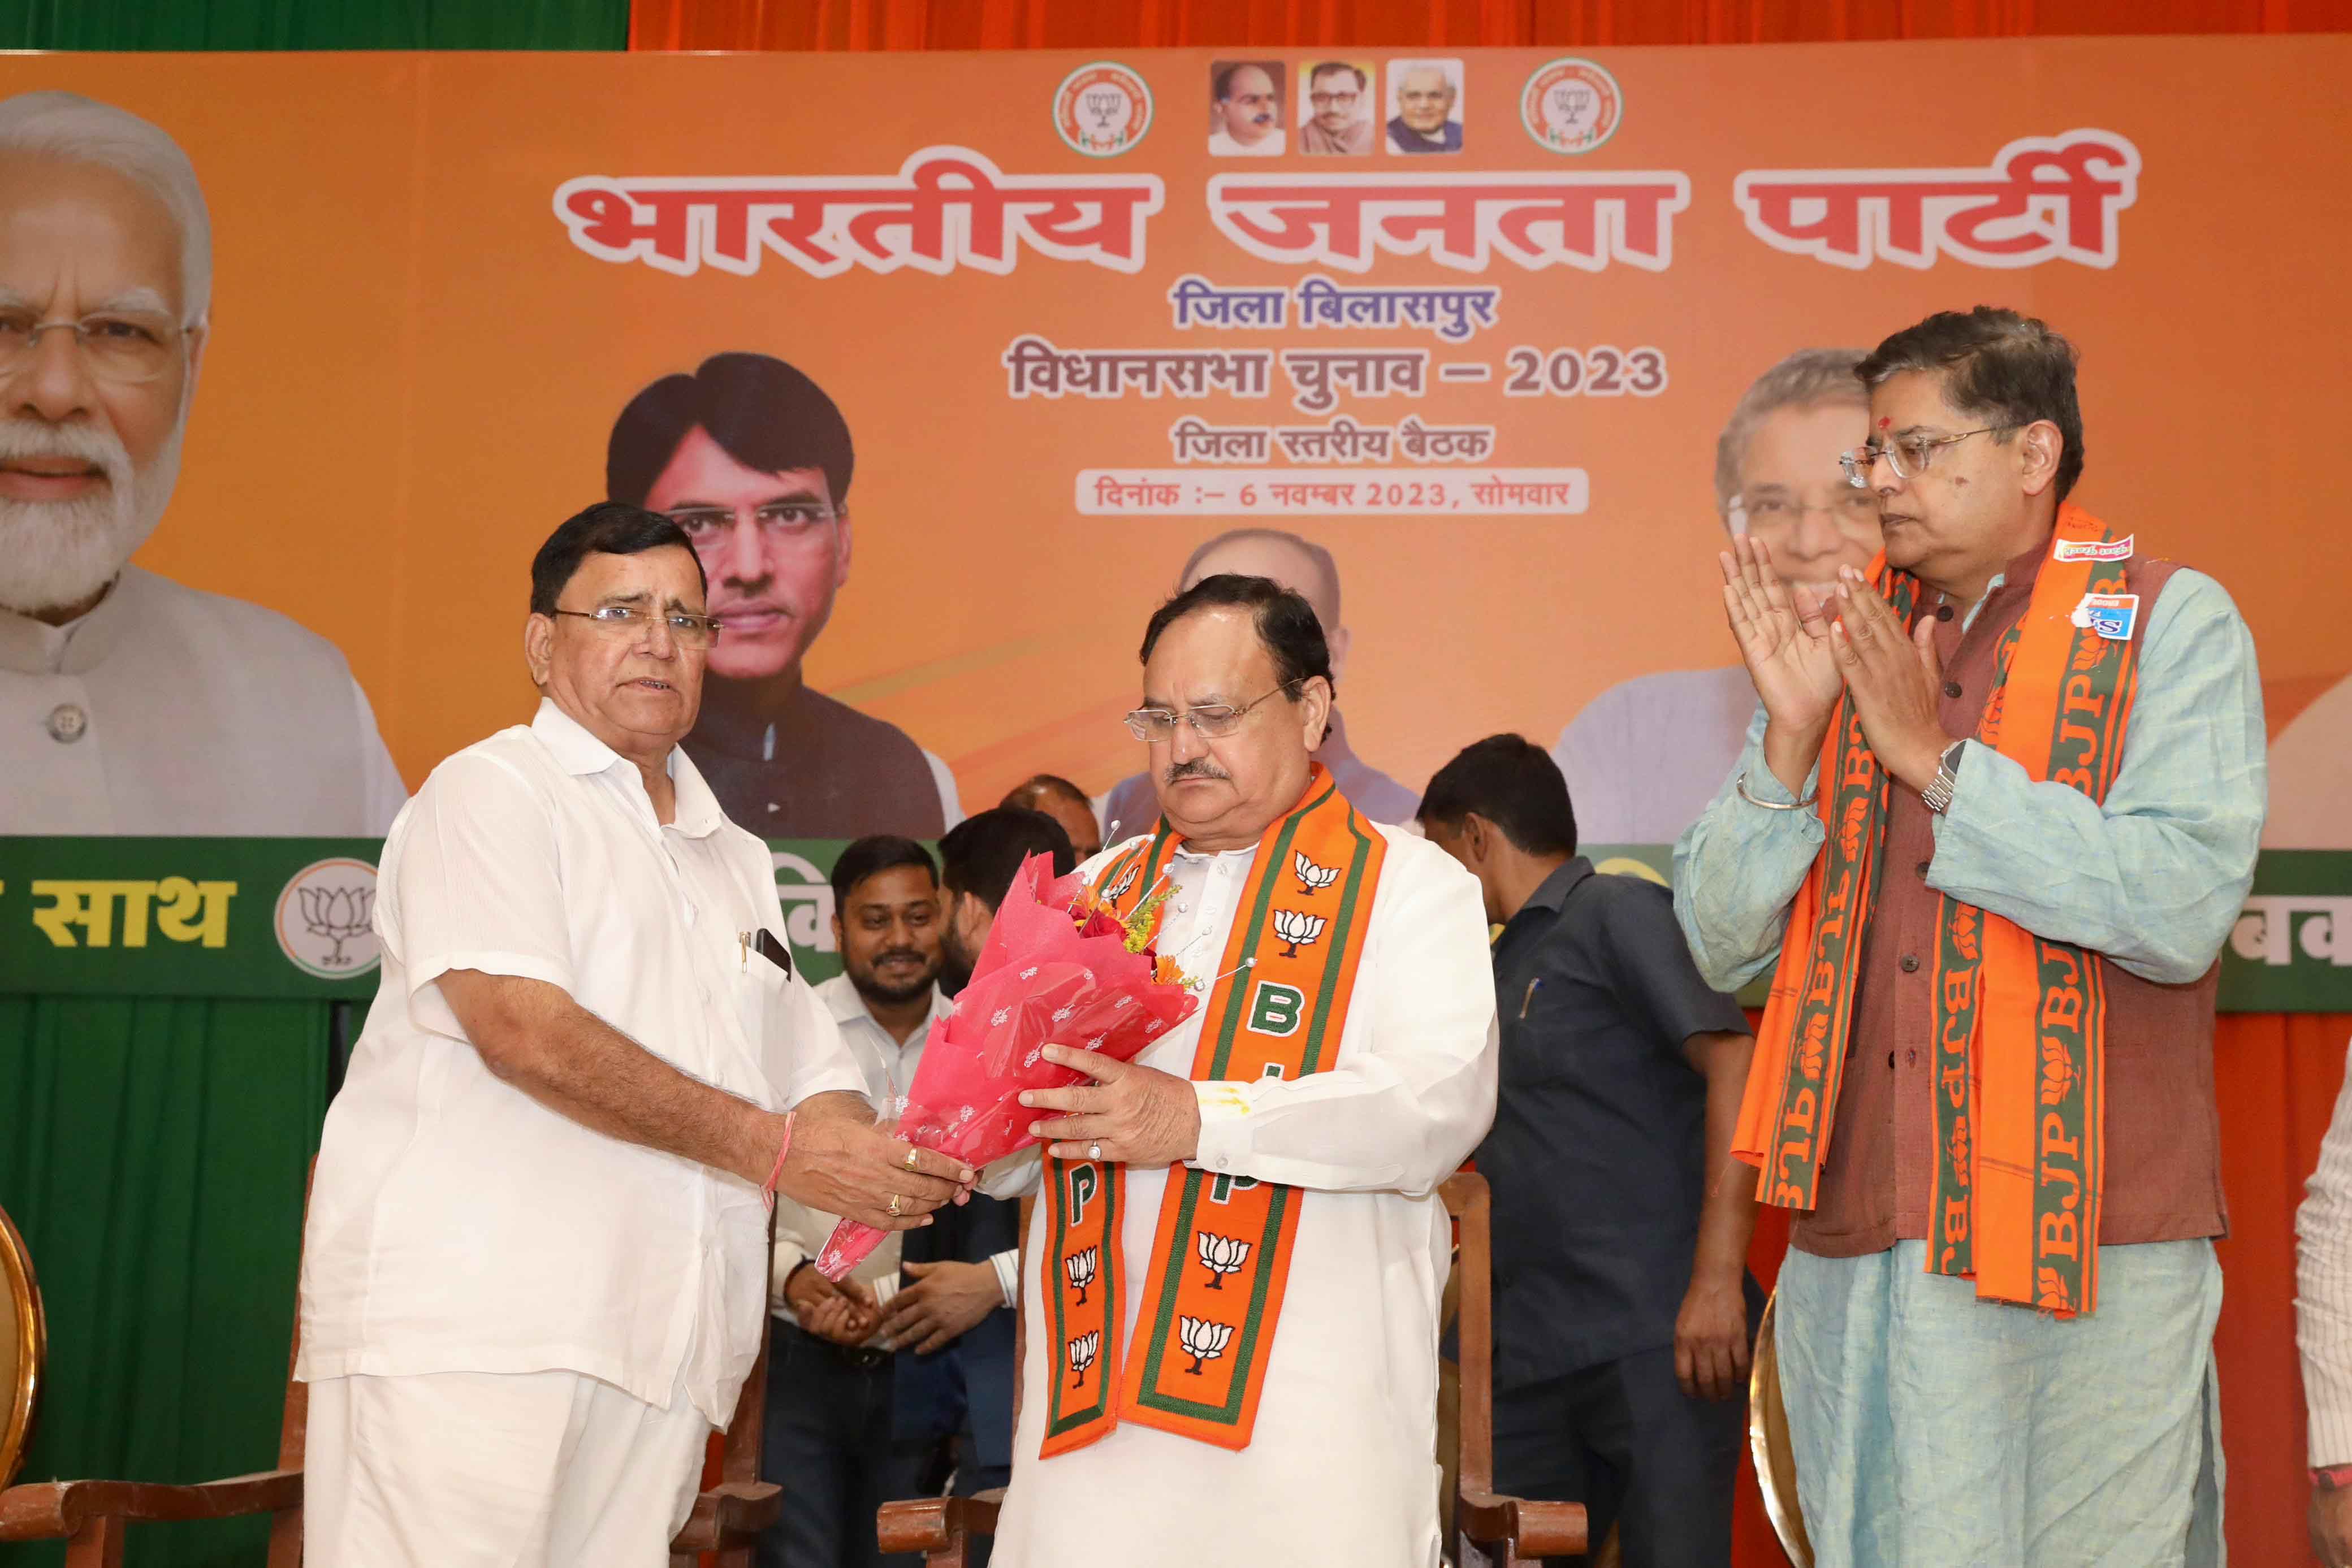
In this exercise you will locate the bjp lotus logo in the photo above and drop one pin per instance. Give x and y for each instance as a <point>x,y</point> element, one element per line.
<point>1809,1050</point>
<point>1296,930</point>
<point>325,919</point>
<point>1959,1148</point>
<point>1857,814</point>
<point>2052,1294</point>
<point>1221,1256</point>
<point>1083,1350</point>
<point>2057,1072</point>
<point>1202,1341</point>
<point>1964,933</point>
<point>1078,1267</point>
<point>1312,878</point>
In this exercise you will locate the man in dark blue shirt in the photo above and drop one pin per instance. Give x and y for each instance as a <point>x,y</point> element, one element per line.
<point>1623,1310</point>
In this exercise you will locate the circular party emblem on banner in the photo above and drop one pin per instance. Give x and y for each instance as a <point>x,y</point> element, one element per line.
<point>1571,105</point>
<point>325,919</point>
<point>1102,109</point>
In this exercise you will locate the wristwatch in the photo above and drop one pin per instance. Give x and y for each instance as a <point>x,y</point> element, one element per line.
<point>1938,795</point>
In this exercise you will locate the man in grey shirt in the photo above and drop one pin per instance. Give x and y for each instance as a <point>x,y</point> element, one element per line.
<point>1644,756</point>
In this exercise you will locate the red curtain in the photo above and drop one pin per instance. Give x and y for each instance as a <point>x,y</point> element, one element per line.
<point>2278,1075</point>
<point>1177,23</point>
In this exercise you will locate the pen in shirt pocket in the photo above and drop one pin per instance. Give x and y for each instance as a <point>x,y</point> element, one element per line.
<point>1529,1000</point>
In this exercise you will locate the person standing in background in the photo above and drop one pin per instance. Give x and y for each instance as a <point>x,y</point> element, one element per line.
<point>1644,756</point>
<point>949,1319</point>
<point>1623,1308</point>
<point>1064,802</point>
<point>830,1440</point>
<point>2323,1310</point>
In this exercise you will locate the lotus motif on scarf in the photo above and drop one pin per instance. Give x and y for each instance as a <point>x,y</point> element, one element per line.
<point>1203,1340</point>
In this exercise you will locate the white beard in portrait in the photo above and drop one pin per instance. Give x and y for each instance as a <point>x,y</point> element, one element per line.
<point>55,553</point>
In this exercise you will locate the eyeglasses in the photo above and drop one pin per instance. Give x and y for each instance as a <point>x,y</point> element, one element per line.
<point>1333,99</point>
<point>1212,723</point>
<point>784,520</point>
<point>122,346</point>
<point>1909,456</point>
<point>691,630</point>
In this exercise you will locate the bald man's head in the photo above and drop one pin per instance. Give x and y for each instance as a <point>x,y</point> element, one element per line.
<point>1300,565</point>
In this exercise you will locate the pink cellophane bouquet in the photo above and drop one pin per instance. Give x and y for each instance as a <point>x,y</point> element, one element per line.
<point>1058,968</point>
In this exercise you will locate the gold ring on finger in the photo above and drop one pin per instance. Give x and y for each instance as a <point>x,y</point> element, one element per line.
<point>895,1211</point>
<point>909,1161</point>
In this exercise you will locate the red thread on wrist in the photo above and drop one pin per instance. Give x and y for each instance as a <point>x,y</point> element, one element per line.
<point>777,1174</point>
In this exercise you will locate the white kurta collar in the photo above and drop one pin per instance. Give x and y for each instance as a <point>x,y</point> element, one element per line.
<point>579,753</point>
<point>33,647</point>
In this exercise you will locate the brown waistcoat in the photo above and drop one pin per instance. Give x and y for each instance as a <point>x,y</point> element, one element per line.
<point>2163,1131</point>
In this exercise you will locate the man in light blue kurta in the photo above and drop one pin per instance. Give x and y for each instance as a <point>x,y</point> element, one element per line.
<point>1933,1428</point>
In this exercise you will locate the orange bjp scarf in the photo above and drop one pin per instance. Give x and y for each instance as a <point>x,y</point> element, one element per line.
<point>1213,1283</point>
<point>2019,1021</point>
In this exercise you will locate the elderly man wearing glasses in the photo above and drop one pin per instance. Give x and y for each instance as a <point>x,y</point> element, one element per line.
<point>536,1266</point>
<point>1232,1333</point>
<point>131,704</point>
<point>753,459</point>
<point>1990,829</point>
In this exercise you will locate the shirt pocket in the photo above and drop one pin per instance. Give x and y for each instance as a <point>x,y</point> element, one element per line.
<point>760,992</point>
<point>1537,1042</point>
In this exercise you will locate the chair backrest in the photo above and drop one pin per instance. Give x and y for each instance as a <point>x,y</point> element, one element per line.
<point>1472,1207</point>
<point>1768,1437</point>
<point>24,1343</point>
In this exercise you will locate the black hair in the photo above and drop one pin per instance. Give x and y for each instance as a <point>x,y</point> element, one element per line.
<point>1286,623</point>
<point>979,855</point>
<point>871,856</point>
<point>1045,786</point>
<point>1999,366</point>
<point>761,412</point>
<point>608,527</point>
<point>1328,67</point>
<point>1513,783</point>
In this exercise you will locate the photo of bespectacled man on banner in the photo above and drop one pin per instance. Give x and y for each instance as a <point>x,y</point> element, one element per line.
<point>753,459</point>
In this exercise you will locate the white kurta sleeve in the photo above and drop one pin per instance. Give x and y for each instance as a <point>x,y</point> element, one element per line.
<point>2323,1304</point>
<point>1403,1109</point>
<point>816,1059</point>
<point>473,882</point>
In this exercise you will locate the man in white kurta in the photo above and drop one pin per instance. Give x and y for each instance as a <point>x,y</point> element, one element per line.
<point>129,703</point>
<point>1341,1465</point>
<point>535,1268</point>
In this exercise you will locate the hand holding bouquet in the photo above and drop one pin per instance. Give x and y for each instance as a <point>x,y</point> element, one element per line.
<point>1059,968</point>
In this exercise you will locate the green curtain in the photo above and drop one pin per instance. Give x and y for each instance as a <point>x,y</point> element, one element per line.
<point>314,24</point>
<point>154,1153</point>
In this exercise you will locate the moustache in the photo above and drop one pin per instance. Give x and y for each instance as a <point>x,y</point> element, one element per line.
<point>896,955</point>
<point>101,449</point>
<point>1199,767</point>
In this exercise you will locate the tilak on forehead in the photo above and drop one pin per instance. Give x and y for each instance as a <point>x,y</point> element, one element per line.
<point>1884,422</point>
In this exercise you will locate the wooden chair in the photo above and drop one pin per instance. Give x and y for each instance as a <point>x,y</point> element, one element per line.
<point>90,1517</point>
<point>1767,1439</point>
<point>1511,1533</point>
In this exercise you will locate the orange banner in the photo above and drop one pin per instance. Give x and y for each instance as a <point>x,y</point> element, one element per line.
<point>1024,330</point>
